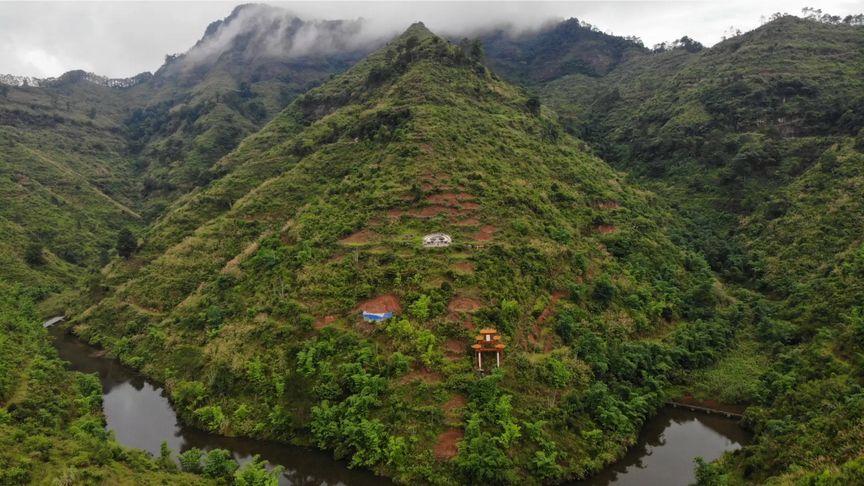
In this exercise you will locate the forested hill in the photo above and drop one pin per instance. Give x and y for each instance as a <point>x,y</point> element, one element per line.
<point>557,50</point>
<point>757,145</point>
<point>245,298</point>
<point>83,158</point>
<point>742,137</point>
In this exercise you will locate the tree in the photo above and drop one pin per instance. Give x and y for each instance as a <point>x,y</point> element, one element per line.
<point>219,464</point>
<point>190,461</point>
<point>165,461</point>
<point>33,254</point>
<point>533,105</point>
<point>127,244</point>
<point>254,473</point>
<point>604,291</point>
<point>476,50</point>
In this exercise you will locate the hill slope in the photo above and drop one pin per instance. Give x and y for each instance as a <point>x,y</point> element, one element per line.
<point>245,298</point>
<point>757,143</point>
<point>64,181</point>
<point>86,157</point>
<point>562,49</point>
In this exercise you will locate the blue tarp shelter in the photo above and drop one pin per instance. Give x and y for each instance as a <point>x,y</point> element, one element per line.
<point>376,316</point>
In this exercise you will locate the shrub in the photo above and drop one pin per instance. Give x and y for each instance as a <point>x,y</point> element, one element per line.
<point>219,464</point>
<point>255,473</point>
<point>210,417</point>
<point>127,244</point>
<point>190,461</point>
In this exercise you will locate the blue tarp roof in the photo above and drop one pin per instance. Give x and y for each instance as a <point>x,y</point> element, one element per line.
<point>376,316</point>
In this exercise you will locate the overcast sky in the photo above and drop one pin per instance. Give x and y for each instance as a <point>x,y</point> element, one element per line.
<point>123,39</point>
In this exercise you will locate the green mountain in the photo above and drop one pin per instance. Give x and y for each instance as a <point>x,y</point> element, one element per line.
<point>65,181</point>
<point>557,50</point>
<point>85,157</point>
<point>245,297</point>
<point>756,144</point>
<point>243,71</point>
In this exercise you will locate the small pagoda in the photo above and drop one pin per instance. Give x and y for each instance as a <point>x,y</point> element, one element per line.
<point>488,341</point>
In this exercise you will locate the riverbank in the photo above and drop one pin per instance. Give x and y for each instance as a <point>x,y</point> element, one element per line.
<point>141,416</point>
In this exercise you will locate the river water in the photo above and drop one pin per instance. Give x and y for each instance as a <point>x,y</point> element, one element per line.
<point>140,415</point>
<point>667,447</point>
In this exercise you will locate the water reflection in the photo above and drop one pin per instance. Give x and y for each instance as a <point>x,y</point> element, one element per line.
<point>141,416</point>
<point>667,446</point>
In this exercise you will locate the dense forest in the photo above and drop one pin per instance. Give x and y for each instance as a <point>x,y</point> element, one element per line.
<point>637,223</point>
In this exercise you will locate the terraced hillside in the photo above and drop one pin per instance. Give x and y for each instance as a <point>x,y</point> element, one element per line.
<point>245,298</point>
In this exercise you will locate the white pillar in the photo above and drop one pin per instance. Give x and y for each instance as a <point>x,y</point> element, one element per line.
<point>480,360</point>
<point>498,358</point>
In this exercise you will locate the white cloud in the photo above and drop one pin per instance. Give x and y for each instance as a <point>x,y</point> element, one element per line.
<point>40,62</point>
<point>123,39</point>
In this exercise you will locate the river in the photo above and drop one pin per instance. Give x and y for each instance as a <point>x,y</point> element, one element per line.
<point>140,415</point>
<point>667,447</point>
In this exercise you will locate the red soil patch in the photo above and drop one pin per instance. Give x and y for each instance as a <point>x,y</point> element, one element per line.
<point>605,229</point>
<point>608,205</point>
<point>468,222</point>
<point>485,233</point>
<point>445,447</point>
<point>464,304</point>
<point>423,375</point>
<point>451,199</point>
<point>556,296</point>
<point>432,211</point>
<point>323,322</point>
<point>464,267</point>
<point>362,236</point>
<point>454,347</point>
<point>395,213</point>
<point>457,402</point>
<point>469,205</point>
<point>383,303</point>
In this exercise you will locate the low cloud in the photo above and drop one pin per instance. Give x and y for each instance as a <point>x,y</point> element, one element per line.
<point>122,39</point>
<point>266,31</point>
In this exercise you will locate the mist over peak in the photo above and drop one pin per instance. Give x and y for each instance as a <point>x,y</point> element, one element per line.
<point>257,31</point>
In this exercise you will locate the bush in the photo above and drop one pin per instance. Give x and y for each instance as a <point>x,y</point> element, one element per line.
<point>219,464</point>
<point>604,292</point>
<point>33,254</point>
<point>127,244</point>
<point>255,473</point>
<point>190,461</point>
<point>210,417</point>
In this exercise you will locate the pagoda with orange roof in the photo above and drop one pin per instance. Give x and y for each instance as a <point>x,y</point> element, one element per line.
<point>488,341</point>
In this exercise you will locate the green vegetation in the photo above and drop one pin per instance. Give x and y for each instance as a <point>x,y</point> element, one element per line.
<point>220,225</point>
<point>51,424</point>
<point>80,161</point>
<point>756,144</point>
<point>226,298</point>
